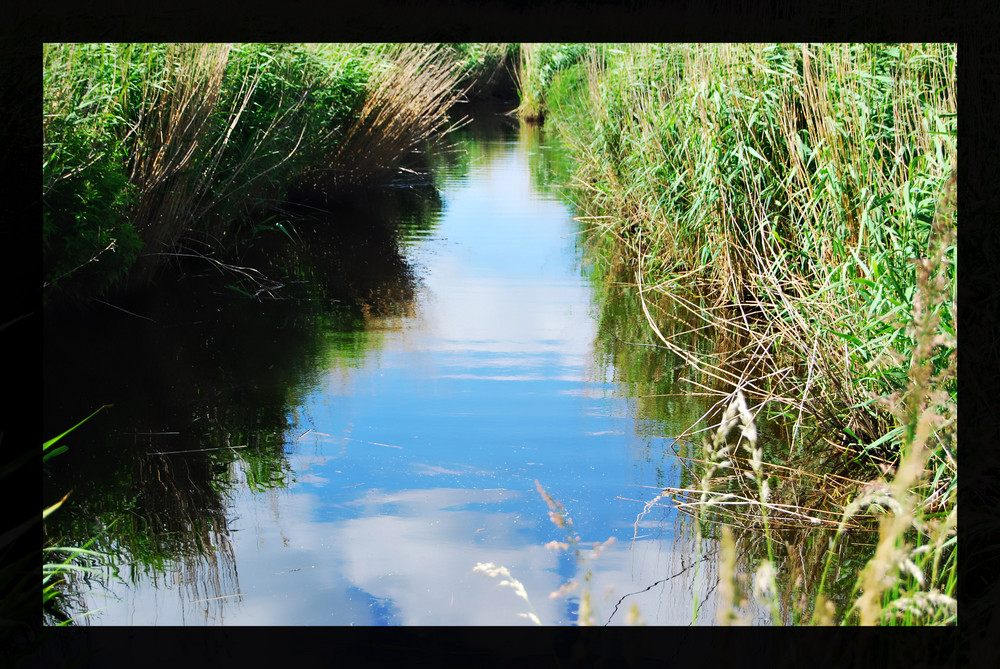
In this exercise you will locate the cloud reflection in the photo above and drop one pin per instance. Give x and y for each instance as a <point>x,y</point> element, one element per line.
<point>415,566</point>
<point>408,558</point>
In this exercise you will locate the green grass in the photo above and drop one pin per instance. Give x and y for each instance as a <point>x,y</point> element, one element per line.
<point>153,147</point>
<point>59,562</point>
<point>798,201</point>
<point>537,67</point>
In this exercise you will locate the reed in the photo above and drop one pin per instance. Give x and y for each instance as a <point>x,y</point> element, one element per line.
<point>537,66</point>
<point>62,563</point>
<point>145,143</point>
<point>158,151</point>
<point>407,103</point>
<point>701,167</point>
<point>789,197</point>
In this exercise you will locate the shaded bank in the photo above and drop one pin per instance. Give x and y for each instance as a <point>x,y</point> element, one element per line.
<point>224,369</point>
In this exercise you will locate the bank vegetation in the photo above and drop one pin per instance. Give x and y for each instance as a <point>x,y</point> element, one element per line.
<point>798,202</point>
<point>155,152</point>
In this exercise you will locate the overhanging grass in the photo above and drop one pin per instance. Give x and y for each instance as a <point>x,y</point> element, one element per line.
<point>146,145</point>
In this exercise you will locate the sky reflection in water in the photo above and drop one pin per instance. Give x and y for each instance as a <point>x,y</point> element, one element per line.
<point>420,462</point>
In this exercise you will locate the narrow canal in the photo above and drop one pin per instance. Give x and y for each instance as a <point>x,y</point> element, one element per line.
<point>345,448</point>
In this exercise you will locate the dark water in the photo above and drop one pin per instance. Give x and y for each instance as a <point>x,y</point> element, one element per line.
<point>346,447</point>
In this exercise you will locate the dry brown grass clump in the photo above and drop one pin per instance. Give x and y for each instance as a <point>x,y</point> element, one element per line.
<point>407,104</point>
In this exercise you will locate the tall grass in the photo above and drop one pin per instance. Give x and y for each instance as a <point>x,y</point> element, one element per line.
<point>147,143</point>
<point>407,103</point>
<point>154,151</point>
<point>537,66</point>
<point>791,186</point>
<point>19,573</point>
<point>798,200</point>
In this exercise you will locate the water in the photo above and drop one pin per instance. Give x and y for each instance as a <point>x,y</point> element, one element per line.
<point>349,454</point>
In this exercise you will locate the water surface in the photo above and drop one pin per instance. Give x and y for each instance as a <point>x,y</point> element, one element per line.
<point>346,455</point>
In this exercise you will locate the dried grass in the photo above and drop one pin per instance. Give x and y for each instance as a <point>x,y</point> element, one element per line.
<point>407,104</point>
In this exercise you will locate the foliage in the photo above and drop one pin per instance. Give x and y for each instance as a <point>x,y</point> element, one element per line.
<point>407,101</point>
<point>20,592</point>
<point>800,192</point>
<point>484,67</point>
<point>538,66</point>
<point>159,151</point>
<point>85,190</point>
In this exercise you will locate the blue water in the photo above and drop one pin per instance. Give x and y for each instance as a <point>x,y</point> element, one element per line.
<point>418,460</point>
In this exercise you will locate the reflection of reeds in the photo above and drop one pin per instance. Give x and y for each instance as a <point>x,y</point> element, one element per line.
<point>172,532</point>
<point>180,520</point>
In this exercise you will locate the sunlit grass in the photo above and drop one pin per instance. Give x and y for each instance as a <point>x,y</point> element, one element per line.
<point>153,152</point>
<point>798,201</point>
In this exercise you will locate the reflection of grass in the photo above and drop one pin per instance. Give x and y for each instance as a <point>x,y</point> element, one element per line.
<point>230,399</point>
<point>164,511</point>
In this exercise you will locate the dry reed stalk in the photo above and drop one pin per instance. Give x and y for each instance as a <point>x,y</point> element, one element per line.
<point>173,124</point>
<point>925,410</point>
<point>730,601</point>
<point>183,162</point>
<point>406,106</point>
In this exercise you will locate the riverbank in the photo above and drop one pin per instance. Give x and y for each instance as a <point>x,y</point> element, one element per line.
<point>194,162</point>
<point>794,205</point>
<point>157,151</point>
<point>805,194</point>
<point>253,438</point>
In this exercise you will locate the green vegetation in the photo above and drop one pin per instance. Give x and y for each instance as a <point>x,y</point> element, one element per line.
<point>159,503</point>
<point>153,151</point>
<point>538,65</point>
<point>798,202</point>
<point>18,575</point>
<point>793,204</point>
